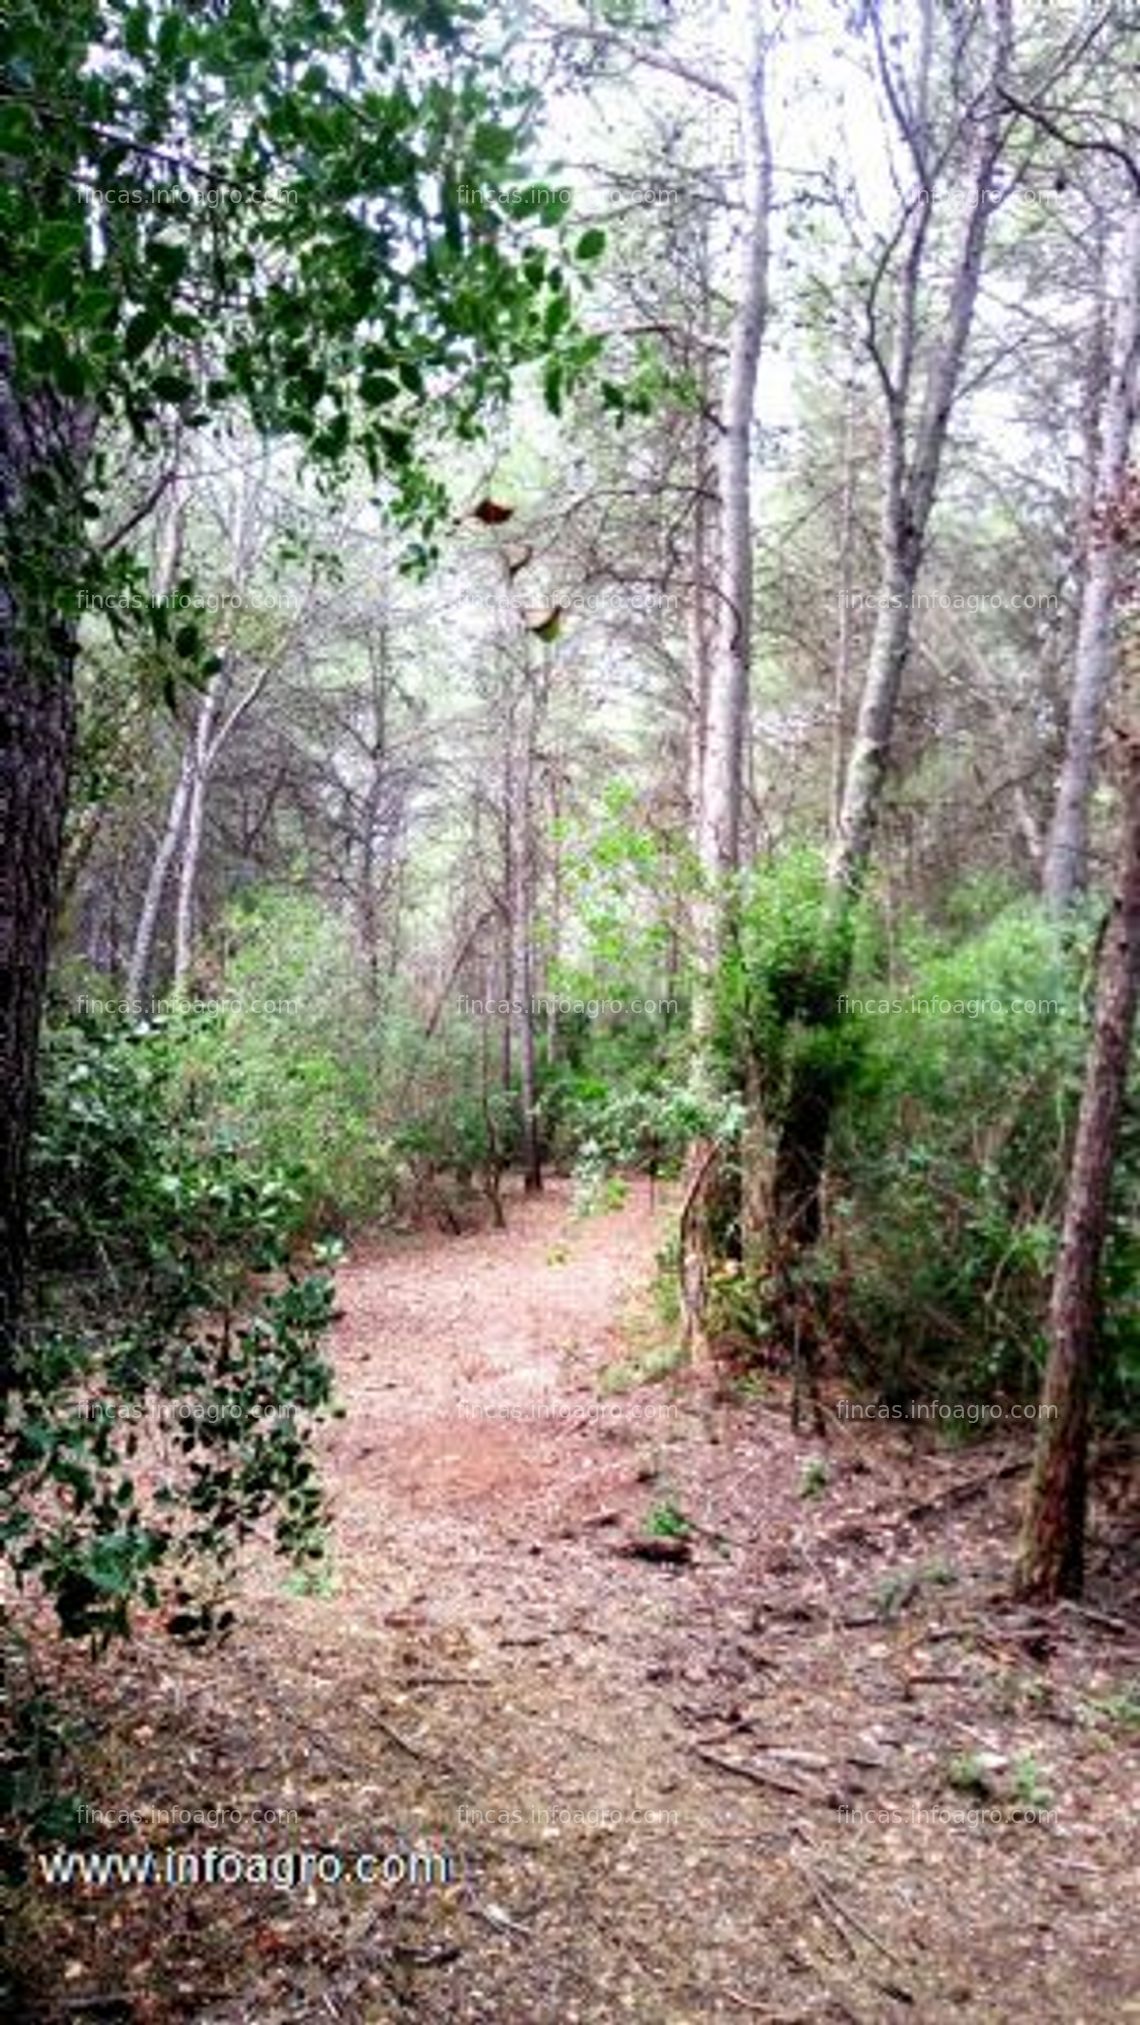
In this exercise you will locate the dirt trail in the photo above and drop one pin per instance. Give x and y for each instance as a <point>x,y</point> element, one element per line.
<point>667,1793</point>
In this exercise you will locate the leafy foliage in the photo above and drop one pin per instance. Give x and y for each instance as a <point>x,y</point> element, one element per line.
<point>950,1162</point>
<point>169,1379</point>
<point>783,982</point>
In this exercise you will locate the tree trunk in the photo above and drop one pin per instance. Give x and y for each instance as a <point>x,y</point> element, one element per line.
<point>1066,862</point>
<point>719,835</point>
<point>721,716</point>
<point>524,960</point>
<point>870,753</point>
<point>842,675</point>
<point>1051,1558</point>
<point>698,613</point>
<point>41,438</point>
<point>376,789</point>
<point>203,752</point>
<point>911,469</point>
<point>492,1164</point>
<point>911,475</point>
<point>508,937</point>
<point>146,929</point>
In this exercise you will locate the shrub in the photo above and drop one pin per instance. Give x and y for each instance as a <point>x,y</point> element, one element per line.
<point>164,1296</point>
<point>950,1164</point>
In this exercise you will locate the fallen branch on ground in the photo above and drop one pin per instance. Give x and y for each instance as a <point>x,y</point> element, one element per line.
<point>755,1776</point>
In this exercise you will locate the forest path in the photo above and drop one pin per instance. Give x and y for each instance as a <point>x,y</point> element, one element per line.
<point>489,1674</point>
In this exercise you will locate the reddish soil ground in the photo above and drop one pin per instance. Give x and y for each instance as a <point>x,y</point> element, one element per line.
<point>784,1776</point>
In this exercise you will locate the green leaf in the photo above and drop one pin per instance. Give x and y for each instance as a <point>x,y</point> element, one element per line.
<point>136,32</point>
<point>17,129</point>
<point>169,261</point>
<point>141,332</point>
<point>557,316</point>
<point>376,388</point>
<point>332,441</point>
<point>169,37</point>
<point>59,237</point>
<point>172,387</point>
<point>591,244</point>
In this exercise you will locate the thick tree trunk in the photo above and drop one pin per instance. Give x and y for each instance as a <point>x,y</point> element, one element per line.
<point>1051,1559</point>
<point>48,439</point>
<point>1066,862</point>
<point>870,752</point>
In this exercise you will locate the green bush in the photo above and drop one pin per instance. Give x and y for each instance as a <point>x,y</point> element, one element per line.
<point>950,1161</point>
<point>171,1365</point>
<point>289,1061</point>
<point>782,984</point>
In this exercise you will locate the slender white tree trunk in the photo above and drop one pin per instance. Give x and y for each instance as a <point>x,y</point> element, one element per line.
<point>911,485</point>
<point>525,876</point>
<point>912,459</point>
<point>147,926</point>
<point>201,755</point>
<point>698,641</point>
<point>1066,861</point>
<point>719,835</point>
<point>725,716</point>
<point>842,673</point>
<point>170,536</point>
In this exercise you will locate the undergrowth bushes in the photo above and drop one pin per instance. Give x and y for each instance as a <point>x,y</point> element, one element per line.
<point>171,1366</point>
<point>949,1163</point>
<point>952,1060</point>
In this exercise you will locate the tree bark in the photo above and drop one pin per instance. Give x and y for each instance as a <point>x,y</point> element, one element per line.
<point>377,787</point>
<point>524,927</point>
<point>509,893</point>
<point>842,672</point>
<point>911,473</point>
<point>721,696</point>
<point>698,632</point>
<point>142,948</point>
<point>719,834</point>
<point>203,751</point>
<point>912,462</point>
<point>1066,862</point>
<point>42,438</point>
<point>1051,1556</point>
